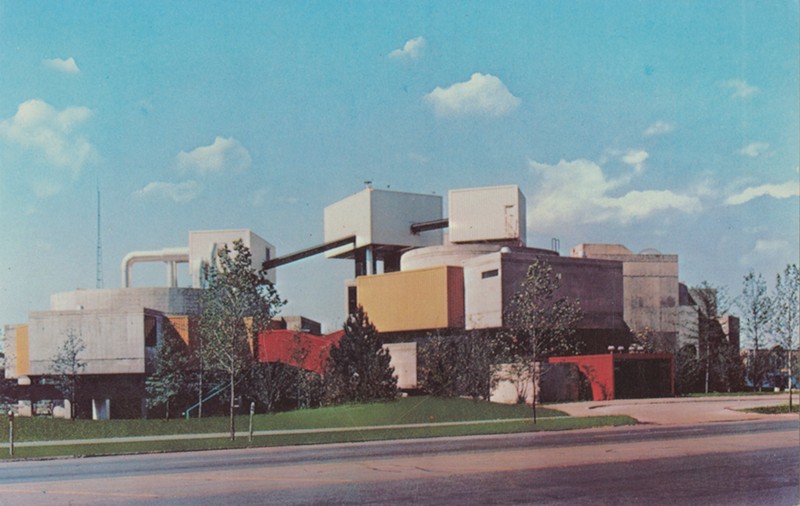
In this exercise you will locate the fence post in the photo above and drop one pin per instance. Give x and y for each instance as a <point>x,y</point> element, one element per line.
<point>252,411</point>
<point>11,432</point>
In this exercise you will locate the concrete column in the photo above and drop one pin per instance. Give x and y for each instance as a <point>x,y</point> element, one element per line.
<point>370,261</point>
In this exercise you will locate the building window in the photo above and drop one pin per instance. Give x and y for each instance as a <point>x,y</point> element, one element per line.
<point>489,274</point>
<point>150,331</point>
<point>352,299</point>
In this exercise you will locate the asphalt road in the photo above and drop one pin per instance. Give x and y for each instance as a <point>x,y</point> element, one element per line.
<point>723,463</point>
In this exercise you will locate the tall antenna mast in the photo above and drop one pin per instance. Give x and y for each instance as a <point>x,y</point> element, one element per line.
<point>99,243</point>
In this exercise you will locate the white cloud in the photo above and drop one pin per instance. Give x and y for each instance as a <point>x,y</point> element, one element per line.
<point>182,192</point>
<point>765,249</point>
<point>636,159</point>
<point>639,204</point>
<point>754,149</point>
<point>67,66</point>
<point>658,128</point>
<point>223,155</point>
<point>579,192</point>
<point>483,94</point>
<point>37,126</point>
<point>740,88</point>
<point>411,49</point>
<point>779,191</point>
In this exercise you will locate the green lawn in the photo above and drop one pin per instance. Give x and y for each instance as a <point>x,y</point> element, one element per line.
<point>775,410</point>
<point>733,394</point>
<point>411,410</point>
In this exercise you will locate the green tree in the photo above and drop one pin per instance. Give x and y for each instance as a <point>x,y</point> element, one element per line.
<point>458,364</point>
<point>711,301</point>
<point>439,359</point>
<point>67,366</point>
<point>7,386</point>
<point>238,303</point>
<point>785,323</point>
<point>272,382</point>
<point>756,309</point>
<point>541,324</point>
<point>172,373</point>
<point>688,369</point>
<point>358,368</point>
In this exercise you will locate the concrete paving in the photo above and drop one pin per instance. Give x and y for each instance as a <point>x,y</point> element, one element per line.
<point>681,410</point>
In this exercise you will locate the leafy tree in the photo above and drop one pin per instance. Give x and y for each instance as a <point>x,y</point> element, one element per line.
<point>688,369</point>
<point>358,367</point>
<point>541,324</point>
<point>271,383</point>
<point>310,389</point>
<point>439,356</point>
<point>711,302</point>
<point>238,303</point>
<point>756,309</point>
<point>785,323</point>
<point>730,369</point>
<point>67,366</point>
<point>7,386</point>
<point>459,364</point>
<point>172,372</point>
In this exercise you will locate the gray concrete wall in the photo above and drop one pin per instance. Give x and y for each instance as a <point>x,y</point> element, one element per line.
<point>483,292</point>
<point>597,284</point>
<point>166,300</point>
<point>10,350</point>
<point>114,340</point>
<point>650,284</point>
<point>404,361</point>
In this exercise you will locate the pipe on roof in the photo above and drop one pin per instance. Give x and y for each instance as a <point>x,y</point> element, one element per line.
<point>170,256</point>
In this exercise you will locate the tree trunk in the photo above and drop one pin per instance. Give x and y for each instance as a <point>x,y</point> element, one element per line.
<point>789,366</point>
<point>233,396</point>
<point>533,393</point>
<point>72,400</point>
<point>708,363</point>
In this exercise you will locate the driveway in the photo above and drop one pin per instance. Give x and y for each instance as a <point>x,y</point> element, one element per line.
<point>680,410</point>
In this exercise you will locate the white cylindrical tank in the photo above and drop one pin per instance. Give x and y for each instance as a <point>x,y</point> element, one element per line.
<point>437,256</point>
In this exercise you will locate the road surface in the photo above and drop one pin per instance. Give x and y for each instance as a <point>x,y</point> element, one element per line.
<point>751,462</point>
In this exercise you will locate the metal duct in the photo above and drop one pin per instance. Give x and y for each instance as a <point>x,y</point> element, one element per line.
<point>170,256</point>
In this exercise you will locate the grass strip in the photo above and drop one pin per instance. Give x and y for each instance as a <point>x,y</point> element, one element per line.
<point>409,410</point>
<point>780,409</point>
<point>323,437</point>
<point>733,394</point>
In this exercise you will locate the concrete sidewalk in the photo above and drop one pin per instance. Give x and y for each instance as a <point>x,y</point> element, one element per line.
<point>680,410</point>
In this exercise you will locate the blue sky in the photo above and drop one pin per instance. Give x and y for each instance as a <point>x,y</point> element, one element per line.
<point>667,125</point>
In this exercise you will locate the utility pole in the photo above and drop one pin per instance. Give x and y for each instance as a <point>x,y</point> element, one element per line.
<point>99,243</point>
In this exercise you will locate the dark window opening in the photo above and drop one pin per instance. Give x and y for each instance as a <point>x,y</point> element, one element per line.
<point>490,274</point>
<point>150,331</point>
<point>352,299</point>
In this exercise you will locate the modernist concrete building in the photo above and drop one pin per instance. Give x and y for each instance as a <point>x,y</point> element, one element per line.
<point>119,327</point>
<point>411,277</point>
<point>465,282</point>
